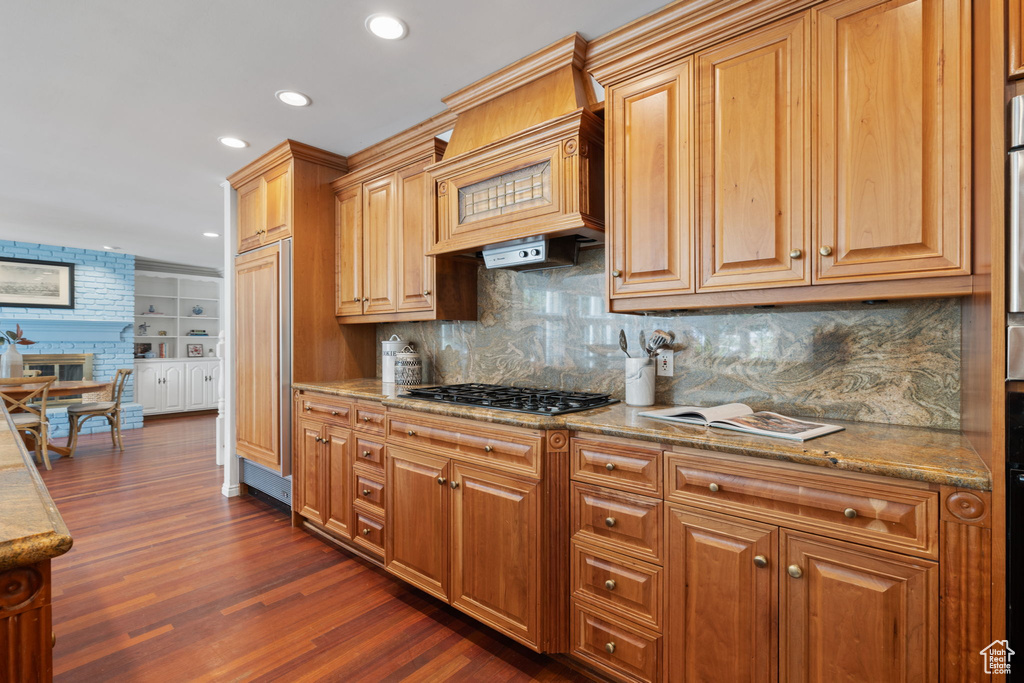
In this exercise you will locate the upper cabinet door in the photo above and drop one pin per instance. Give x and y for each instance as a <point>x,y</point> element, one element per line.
<point>278,191</point>
<point>379,241</point>
<point>650,217</point>
<point>892,150</point>
<point>250,215</point>
<point>754,211</point>
<point>348,230</point>
<point>1015,39</point>
<point>416,236</point>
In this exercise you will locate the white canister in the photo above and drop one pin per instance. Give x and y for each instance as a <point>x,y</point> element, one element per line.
<point>639,381</point>
<point>389,347</point>
<point>408,367</point>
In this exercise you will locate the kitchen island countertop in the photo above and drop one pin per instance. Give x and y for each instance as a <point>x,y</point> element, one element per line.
<point>934,456</point>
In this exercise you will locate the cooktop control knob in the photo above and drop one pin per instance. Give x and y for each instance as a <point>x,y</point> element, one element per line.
<point>535,252</point>
<point>523,254</point>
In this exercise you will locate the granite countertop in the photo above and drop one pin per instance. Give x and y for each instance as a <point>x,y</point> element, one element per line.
<point>929,455</point>
<point>31,529</point>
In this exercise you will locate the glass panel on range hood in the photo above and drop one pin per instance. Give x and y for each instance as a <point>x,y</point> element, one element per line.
<point>517,190</point>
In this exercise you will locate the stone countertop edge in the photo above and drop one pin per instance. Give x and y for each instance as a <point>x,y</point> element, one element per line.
<point>31,528</point>
<point>922,454</point>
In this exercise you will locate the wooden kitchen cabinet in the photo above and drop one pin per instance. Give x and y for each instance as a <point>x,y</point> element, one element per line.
<point>1015,39</point>
<point>893,140</point>
<point>754,214</point>
<point>265,208</point>
<point>322,474</point>
<point>384,224</point>
<point>649,237</point>
<point>849,613</point>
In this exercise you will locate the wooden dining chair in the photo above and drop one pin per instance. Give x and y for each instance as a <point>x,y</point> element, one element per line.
<point>109,409</point>
<point>28,411</point>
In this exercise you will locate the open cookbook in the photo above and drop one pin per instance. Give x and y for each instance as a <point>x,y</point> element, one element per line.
<point>741,418</point>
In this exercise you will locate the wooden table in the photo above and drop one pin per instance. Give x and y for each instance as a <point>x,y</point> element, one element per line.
<point>65,388</point>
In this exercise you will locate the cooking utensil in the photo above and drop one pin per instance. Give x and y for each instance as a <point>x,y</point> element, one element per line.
<point>658,341</point>
<point>643,342</point>
<point>622,343</point>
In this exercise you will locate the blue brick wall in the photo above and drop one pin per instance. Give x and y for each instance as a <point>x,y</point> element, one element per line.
<point>104,290</point>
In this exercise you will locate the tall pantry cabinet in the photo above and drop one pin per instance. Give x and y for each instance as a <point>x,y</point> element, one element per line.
<point>285,330</point>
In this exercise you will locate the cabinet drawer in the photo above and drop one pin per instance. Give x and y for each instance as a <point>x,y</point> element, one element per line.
<point>615,646</point>
<point>617,585</point>
<point>335,412</point>
<point>617,521</point>
<point>489,445</point>
<point>370,419</point>
<point>369,454</point>
<point>618,466</point>
<point>877,514</point>
<point>370,488</point>
<point>369,532</point>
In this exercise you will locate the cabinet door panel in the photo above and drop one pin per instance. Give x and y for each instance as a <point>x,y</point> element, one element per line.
<point>416,236</point>
<point>213,386</point>
<point>856,614</point>
<point>174,387</point>
<point>348,226</point>
<point>496,550</point>
<point>146,386</point>
<point>308,483</point>
<point>251,215</point>
<point>892,143</point>
<point>278,188</point>
<point>338,484</point>
<point>379,241</point>
<point>755,159</point>
<point>720,597</point>
<point>196,393</point>
<point>257,357</point>
<point>416,520</point>
<point>651,224</point>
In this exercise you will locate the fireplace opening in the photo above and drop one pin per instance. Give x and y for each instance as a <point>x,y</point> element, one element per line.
<point>66,367</point>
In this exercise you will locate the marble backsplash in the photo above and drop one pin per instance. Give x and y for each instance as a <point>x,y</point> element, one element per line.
<point>896,362</point>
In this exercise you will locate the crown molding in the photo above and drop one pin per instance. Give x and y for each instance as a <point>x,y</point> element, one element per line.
<point>286,151</point>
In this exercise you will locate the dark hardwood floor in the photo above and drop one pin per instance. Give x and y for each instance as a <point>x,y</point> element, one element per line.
<point>170,581</point>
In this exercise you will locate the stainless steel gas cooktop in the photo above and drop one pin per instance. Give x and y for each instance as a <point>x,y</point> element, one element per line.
<point>515,399</point>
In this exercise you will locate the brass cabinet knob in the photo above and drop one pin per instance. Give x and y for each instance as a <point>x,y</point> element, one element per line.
<point>610,466</point>
<point>850,512</point>
<point>487,449</point>
<point>760,561</point>
<point>366,418</point>
<point>366,532</point>
<point>609,522</point>
<point>713,487</point>
<point>616,273</point>
<point>426,292</point>
<point>327,440</point>
<point>441,480</point>
<point>454,485</point>
<point>609,648</point>
<point>334,412</point>
<point>366,492</point>
<point>53,638</point>
<point>825,251</point>
<point>356,299</point>
<point>795,571</point>
<point>796,253</point>
<point>365,299</point>
<point>610,584</point>
<point>410,432</point>
<point>309,408</point>
<point>366,454</point>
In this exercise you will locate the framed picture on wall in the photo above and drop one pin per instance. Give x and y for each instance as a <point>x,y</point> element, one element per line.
<point>38,284</point>
<point>195,350</point>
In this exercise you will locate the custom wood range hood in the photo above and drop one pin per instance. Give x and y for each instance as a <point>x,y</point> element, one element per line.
<point>526,157</point>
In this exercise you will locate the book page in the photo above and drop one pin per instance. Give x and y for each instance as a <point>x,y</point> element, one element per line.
<point>699,415</point>
<point>773,424</point>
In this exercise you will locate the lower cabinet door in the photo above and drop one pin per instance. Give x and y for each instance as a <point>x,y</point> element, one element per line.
<point>148,386</point>
<point>850,613</point>
<point>338,480</point>
<point>308,484</point>
<point>722,588</point>
<point>496,551</point>
<point>196,392</point>
<point>174,385</point>
<point>416,519</point>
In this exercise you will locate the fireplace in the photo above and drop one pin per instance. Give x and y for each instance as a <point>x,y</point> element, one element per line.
<point>65,366</point>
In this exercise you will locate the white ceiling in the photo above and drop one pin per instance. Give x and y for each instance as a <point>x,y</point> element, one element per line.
<point>110,109</point>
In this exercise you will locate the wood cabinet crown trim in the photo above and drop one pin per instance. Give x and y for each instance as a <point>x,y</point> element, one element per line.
<point>431,148</point>
<point>567,51</point>
<point>289,149</point>
<point>400,142</point>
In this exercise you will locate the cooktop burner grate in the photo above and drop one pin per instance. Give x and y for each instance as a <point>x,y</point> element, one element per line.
<point>516,399</point>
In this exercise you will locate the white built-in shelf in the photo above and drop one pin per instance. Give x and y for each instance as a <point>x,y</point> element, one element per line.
<point>177,295</point>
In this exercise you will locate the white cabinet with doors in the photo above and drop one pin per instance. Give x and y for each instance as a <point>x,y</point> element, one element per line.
<point>176,386</point>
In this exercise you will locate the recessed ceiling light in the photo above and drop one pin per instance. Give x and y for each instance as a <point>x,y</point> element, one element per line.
<point>211,234</point>
<point>111,248</point>
<point>386,26</point>
<point>296,99</point>
<point>233,142</point>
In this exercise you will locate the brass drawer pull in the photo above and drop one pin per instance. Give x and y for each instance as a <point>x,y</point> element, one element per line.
<point>367,454</point>
<point>334,412</point>
<point>366,492</point>
<point>411,433</point>
<point>441,480</point>
<point>327,440</point>
<point>850,512</point>
<point>309,407</point>
<point>610,584</point>
<point>713,487</point>
<point>487,449</point>
<point>609,648</point>
<point>609,521</point>
<point>454,485</point>
<point>366,418</point>
<point>366,532</point>
<point>795,571</point>
<point>610,466</point>
<point>760,561</point>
